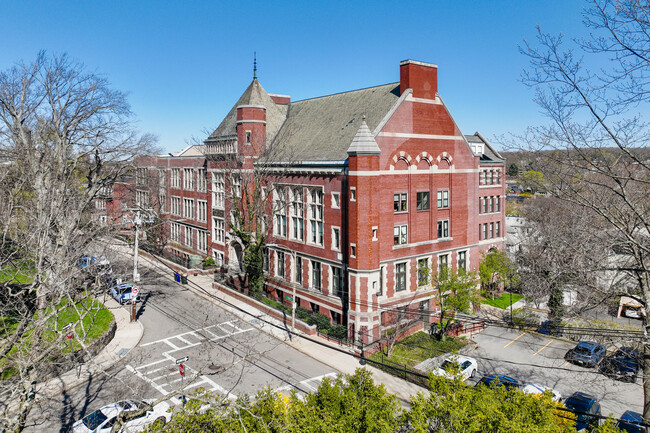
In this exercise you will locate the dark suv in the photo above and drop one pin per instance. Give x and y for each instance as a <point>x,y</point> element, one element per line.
<point>584,406</point>
<point>507,382</point>
<point>586,353</point>
<point>621,365</point>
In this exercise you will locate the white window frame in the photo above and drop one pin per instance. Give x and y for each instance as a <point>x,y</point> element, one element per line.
<point>176,205</point>
<point>188,208</point>
<point>188,179</point>
<point>202,240</point>
<point>315,214</point>
<point>444,233</point>
<point>336,200</point>
<point>312,275</point>
<point>400,234</point>
<point>297,229</point>
<point>188,239</point>
<point>406,278</point>
<point>201,180</point>
<point>336,238</point>
<point>219,230</point>
<point>337,283</point>
<point>218,190</point>
<point>202,211</point>
<point>443,199</point>
<point>175,178</point>
<point>402,202</point>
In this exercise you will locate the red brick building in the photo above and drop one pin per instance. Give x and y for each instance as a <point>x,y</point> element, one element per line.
<point>371,187</point>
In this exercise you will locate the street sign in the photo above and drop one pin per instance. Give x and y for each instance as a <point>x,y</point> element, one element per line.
<point>69,335</point>
<point>68,326</point>
<point>135,290</point>
<point>181,370</point>
<point>289,298</point>
<point>182,360</point>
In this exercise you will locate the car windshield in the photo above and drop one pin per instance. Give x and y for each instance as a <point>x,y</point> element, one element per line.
<point>465,365</point>
<point>94,420</point>
<point>124,290</point>
<point>449,365</point>
<point>583,349</point>
<point>577,405</point>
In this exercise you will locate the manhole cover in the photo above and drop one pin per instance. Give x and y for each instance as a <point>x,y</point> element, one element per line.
<point>215,367</point>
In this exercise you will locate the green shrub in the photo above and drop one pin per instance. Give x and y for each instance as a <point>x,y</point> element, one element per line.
<point>302,313</point>
<point>338,331</point>
<point>321,321</point>
<point>209,261</point>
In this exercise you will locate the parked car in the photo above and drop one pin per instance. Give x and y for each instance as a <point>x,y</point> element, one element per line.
<point>452,365</point>
<point>586,353</point>
<point>535,388</point>
<point>547,329</point>
<point>630,422</point>
<point>123,293</point>
<point>584,406</point>
<point>506,381</point>
<point>85,262</point>
<point>621,365</point>
<point>102,420</point>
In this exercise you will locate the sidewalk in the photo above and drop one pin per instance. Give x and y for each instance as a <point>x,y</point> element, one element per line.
<point>326,353</point>
<point>127,336</point>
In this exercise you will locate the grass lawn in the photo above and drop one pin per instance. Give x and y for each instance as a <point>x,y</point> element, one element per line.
<point>95,324</point>
<point>16,275</point>
<point>420,346</point>
<point>502,301</point>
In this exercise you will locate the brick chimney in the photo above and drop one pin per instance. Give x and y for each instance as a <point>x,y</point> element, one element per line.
<point>419,76</point>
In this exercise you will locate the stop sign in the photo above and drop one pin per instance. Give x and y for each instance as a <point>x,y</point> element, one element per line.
<point>69,335</point>
<point>181,369</point>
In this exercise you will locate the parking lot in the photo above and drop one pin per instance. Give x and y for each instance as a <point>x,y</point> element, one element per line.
<point>533,358</point>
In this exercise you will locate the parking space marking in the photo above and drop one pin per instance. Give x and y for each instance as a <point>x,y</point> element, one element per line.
<point>515,339</point>
<point>549,342</point>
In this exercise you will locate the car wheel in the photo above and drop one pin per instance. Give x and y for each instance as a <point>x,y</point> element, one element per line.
<point>159,422</point>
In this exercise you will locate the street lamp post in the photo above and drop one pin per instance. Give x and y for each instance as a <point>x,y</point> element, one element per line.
<point>136,221</point>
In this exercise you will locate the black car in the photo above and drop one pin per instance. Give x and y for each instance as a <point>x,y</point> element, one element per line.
<point>584,406</point>
<point>621,365</point>
<point>506,381</point>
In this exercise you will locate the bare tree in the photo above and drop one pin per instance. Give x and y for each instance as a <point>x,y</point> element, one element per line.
<point>63,134</point>
<point>594,152</point>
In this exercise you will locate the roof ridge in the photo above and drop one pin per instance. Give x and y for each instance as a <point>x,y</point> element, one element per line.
<point>342,93</point>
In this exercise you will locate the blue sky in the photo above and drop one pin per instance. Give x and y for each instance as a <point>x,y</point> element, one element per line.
<point>185,63</point>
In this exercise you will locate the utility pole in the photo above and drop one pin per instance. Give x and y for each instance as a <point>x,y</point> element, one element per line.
<point>136,221</point>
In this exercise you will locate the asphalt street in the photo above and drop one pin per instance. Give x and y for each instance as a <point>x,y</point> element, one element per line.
<point>533,358</point>
<point>226,356</point>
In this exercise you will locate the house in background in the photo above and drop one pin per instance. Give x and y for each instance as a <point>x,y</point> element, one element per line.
<point>375,190</point>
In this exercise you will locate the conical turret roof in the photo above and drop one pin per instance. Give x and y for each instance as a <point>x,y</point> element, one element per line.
<point>363,142</point>
<point>253,95</point>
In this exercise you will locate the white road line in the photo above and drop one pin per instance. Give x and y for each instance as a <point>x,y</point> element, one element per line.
<point>159,388</point>
<point>220,389</point>
<point>186,341</point>
<point>152,363</point>
<point>306,384</point>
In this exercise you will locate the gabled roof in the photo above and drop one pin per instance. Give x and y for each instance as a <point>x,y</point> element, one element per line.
<point>489,153</point>
<point>253,95</point>
<point>322,129</point>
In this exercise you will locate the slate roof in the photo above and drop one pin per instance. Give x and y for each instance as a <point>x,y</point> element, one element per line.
<point>253,95</point>
<point>322,129</point>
